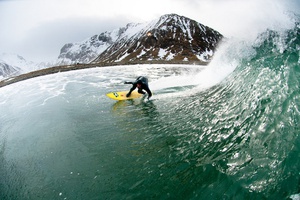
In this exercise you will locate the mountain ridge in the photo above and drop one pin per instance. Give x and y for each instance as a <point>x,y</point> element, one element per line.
<point>170,37</point>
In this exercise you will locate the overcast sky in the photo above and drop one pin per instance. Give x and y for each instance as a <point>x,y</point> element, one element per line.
<point>37,29</point>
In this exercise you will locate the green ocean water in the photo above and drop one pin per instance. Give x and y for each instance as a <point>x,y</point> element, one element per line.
<point>226,131</point>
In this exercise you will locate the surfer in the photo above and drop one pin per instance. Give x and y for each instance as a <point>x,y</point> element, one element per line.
<point>142,84</point>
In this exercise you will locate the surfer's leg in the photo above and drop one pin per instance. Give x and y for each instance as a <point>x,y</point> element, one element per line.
<point>141,91</point>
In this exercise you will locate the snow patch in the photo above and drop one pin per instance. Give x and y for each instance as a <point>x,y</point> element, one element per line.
<point>122,57</point>
<point>170,56</point>
<point>162,53</point>
<point>205,55</point>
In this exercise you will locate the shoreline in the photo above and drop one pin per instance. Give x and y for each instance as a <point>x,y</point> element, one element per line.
<point>78,66</point>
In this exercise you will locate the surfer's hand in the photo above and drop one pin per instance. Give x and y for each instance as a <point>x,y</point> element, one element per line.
<point>128,94</point>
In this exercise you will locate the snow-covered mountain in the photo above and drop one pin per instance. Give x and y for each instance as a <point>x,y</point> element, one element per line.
<point>171,38</point>
<point>85,51</point>
<point>12,65</point>
<point>7,70</point>
<point>90,48</point>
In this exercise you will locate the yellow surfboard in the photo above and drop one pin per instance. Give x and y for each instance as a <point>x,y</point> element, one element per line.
<point>119,96</point>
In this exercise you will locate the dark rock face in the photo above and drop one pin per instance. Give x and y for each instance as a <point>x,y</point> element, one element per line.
<point>172,38</point>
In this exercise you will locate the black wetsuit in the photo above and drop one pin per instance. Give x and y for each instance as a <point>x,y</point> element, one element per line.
<point>144,86</point>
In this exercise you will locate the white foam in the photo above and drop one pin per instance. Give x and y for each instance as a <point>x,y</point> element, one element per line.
<point>295,196</point>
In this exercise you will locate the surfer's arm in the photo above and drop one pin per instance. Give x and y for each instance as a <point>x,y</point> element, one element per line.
<point>128,82</point>
<point>129,93</point>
